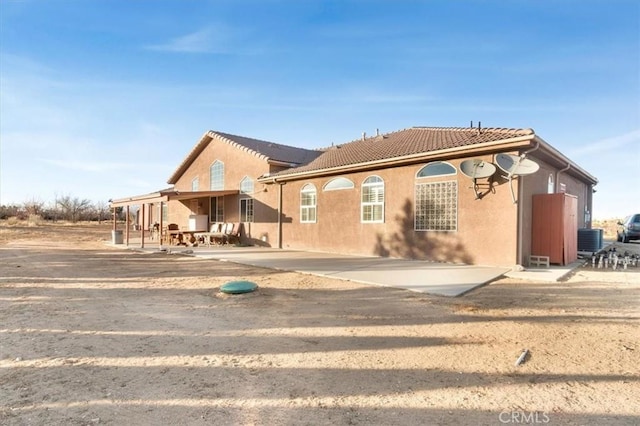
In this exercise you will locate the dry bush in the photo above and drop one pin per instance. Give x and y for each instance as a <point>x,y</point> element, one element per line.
<point>13,221</point>
<point>609,226</point>
<point>34,220</point>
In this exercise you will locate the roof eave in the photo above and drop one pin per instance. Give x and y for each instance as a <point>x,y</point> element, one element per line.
<point>154,197</point>
<point>200,146</point>
<point>282,163</point>
<point>169,195</point>
<point>564,161</point>
<point>510,143</point>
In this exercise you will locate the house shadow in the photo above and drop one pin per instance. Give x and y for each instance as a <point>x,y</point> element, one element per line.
<point>406,242</point>
<point>264,213</point>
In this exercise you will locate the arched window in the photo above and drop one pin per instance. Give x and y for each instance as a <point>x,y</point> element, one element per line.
<point>372,205</point>
<point>308,204</point>
<point>216,176</point>
<point>437,168</point>
<point>246,185</point>
<point>337,184</point>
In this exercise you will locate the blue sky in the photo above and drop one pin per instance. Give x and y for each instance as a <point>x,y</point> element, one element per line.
<point>103,99</point>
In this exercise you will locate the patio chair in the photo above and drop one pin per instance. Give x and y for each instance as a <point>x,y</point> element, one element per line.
<point>220,237</point>
<point>173,235</point>
<point>154,231</point>
<point>234,234</point>
<point>205,237</point>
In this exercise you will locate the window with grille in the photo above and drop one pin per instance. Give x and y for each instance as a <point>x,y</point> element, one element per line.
<point>338,184</point>
<point>436,168</point>
<point>216,176</point>
<point>372,205</point>
<point>436,206</point>
<point>246,210</point>
<point>216,210</point>
<point>308,204</point>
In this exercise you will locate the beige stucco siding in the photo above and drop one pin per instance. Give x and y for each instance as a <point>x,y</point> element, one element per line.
<point>486,231</point>
<point>487,226</point>
<point>238,164</point>
<point>538,184</point>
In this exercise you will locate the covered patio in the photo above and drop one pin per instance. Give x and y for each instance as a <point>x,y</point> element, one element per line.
<point>151,223</point>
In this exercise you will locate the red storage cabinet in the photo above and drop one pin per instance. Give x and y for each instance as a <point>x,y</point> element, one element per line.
<point>554,227</point>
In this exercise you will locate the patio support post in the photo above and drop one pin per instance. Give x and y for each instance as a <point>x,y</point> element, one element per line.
<point>161,204</point>
<point>280,215</point>
<point>142,208</point>
<point>127,225</point>
<point>519,226</point>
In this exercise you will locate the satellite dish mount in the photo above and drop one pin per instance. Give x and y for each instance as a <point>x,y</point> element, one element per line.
<point>514,166</point>
<point>475,169</point>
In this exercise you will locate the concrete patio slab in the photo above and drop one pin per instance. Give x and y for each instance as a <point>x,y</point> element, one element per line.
<point>420,276</point>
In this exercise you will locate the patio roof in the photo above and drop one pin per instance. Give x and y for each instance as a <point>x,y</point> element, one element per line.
<point>168,195</point>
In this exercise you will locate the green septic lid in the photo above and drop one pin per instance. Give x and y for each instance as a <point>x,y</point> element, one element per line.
<point>238,287</point>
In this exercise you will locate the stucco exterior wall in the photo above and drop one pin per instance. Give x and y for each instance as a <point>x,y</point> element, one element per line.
<point>486,234</point>
<point>538,183</point>
<point>238,164</point>
<point>487,225</point>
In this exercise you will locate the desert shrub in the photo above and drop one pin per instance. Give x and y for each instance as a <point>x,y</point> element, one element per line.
<point>9,211</point>
<point>34,220</point>
<point>13,220</point>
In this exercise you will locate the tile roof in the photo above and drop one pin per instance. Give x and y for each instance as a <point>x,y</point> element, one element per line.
<point>407,142</point>
<point>269,151</point>
<point>272,150</point>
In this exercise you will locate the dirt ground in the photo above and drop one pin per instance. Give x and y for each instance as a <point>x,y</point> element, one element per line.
<point>92,334</point>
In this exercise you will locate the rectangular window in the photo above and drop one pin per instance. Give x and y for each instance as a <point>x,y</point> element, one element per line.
<point>436,206</point>
<point>246,210</point>
<point>165,212</point>
<point>308,206</point>
<point>373,203</point>
<point>195,183</point>
<point>216,209</point>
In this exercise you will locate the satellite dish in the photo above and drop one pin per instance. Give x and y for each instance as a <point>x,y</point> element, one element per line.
<point>514,165</point>
<point>476,168</point>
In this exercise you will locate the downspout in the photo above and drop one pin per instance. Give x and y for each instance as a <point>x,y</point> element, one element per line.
<point>520,213</point>
<point>588,206</point>
<point>279,212</point>
<point>160,225</point>
<point>519,254</point>
<point>127,226</point>
<point>558,173</point>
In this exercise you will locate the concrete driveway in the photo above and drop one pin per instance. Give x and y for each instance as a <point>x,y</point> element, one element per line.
<point>420,276</point>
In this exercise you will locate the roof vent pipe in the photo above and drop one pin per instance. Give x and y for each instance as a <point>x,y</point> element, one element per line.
<point>364,135</point>
<point>479,127</point>
<point>471,125</point>
<point>377,132</point>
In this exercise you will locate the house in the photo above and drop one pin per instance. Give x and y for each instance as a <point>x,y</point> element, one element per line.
<point>415,193</point>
